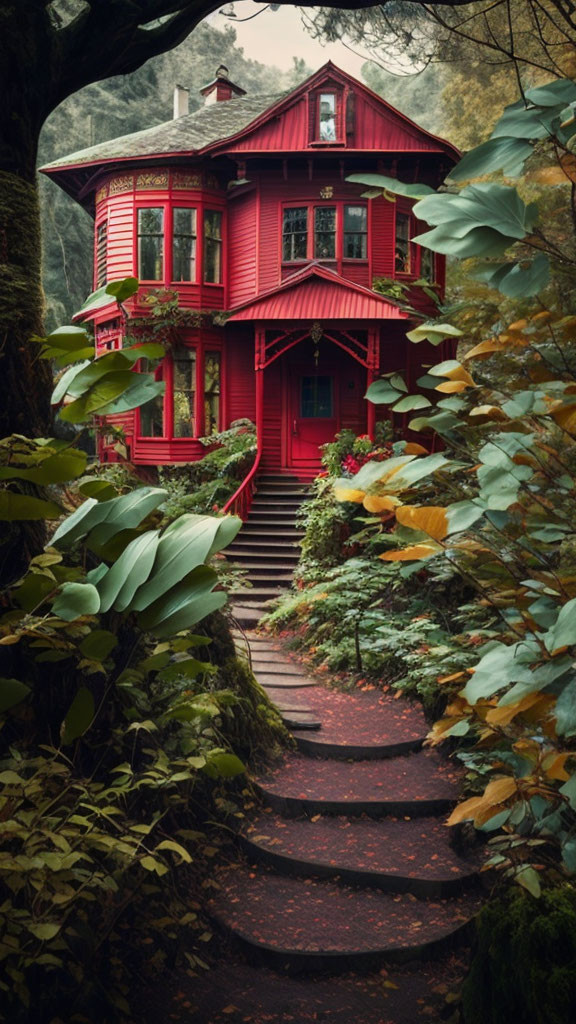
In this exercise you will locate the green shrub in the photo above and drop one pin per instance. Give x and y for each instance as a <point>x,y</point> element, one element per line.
<point>524,960</point>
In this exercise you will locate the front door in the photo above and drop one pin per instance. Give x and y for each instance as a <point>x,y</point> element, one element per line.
<point>313,417</point>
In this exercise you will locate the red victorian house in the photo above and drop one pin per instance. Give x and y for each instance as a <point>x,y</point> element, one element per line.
<point>243,207</point>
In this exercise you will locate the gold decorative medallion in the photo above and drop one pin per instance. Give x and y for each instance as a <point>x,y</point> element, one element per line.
<point>327,192</point>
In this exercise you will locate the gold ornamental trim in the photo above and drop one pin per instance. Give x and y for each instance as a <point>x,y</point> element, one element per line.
<point>182,179</point>
<point>124,183</point>
<point>152,179</point>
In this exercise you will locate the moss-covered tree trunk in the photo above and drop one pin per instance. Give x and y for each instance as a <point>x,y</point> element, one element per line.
<point>26,54</point>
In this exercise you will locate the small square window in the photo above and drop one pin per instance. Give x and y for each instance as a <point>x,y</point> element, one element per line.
<point>295,234</point>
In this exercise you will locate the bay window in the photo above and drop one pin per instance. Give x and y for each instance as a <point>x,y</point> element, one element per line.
<point>151,243</point>
<point>184,244</point>
<point>213,246</point>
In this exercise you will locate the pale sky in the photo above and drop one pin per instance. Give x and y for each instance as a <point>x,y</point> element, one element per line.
<point>274,37</point>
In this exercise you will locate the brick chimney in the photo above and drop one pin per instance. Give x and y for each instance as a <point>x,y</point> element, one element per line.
<point>221,88</point>
<point>181,101</point>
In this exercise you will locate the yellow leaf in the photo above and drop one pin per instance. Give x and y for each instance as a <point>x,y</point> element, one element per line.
<point>451,679</point>
<point>565,417</point>
<point>347,494</point>
<point>504,715</point>
<point>465,811</point>
<point>378,503</point>
<point>485,349</point>
<point>518,325</point>
<point>451,387</point>
<point>485,413</point>
<point>499,790</point>
<point>431,519</point>
<point>412,448</point>
<point>411,554</point>
<point>553,765</point>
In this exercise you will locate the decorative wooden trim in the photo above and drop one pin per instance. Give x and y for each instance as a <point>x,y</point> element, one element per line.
<point>152,179</point>
<point>124,183</point>
<point>184,180</point>
<point>101,194</point>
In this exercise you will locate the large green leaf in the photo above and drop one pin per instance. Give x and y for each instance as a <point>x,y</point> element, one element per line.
<point>500,154</point>
<point>98,644</point>
<point>129,572</point>
<point>563,632</point>
<point>391,185</point>
<point>99,396</point>
<point>184,545</point>
<point>75,600</point>
<point>411,402</point>
<point>56,468</point>
<point>124,512</point>
<point>66,380</point>
<point>68,339</point>
<point>500,666</point>
<point>481,242</point>
<point>15,507</point>
<point>462,515</point>
<point>142,389</point>
<point>12,692</point>
<point>221,764</point>
<point>565,711</point>
<point>381,392</point>
<point>487,205</point>
<point>79,716</point>
<point>114,291</point>
<point>516,280</point>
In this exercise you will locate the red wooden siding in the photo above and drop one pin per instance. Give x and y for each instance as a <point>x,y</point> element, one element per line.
<point>240,377</point>
<point>383,237</point>
<point>272,417</point>
<point>242,248</point>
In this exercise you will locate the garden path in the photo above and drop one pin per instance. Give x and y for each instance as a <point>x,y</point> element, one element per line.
<point>347,868</point>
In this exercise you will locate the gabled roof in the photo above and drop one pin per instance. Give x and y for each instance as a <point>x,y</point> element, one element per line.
<point>213,127</point>
<point>317,293</point>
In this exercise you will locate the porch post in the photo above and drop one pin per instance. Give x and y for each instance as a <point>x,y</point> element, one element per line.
<point>373,363</point>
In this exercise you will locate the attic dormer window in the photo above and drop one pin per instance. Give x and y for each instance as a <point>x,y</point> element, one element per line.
<point>327,117</point>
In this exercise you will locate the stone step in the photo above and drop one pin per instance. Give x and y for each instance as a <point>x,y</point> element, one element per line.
<point>282,504</point>
<point>267,662</point>
<point>390,854</point>
<point>415,786</point>
<point>247,616</point>
<point>262,520</point>
<point>321,925</point>
<point>257,594</point>
<point>281,680</point>
<point>256,531</point>
<point>285,556</point>
<point>300,720</point>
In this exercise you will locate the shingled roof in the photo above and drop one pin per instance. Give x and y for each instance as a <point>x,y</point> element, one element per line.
<point>187,134</point>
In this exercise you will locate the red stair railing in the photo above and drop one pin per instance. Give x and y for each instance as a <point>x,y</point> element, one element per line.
<point>240,502</point>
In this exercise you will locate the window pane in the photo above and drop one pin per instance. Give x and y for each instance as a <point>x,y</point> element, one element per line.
<point>211,392</point>
<point>316,398</point>
<point>355,218</point>
<point>327,117</point>
<point>184,245</point>
<point>427,265</point>
<point>325,232</point>
<point>185,392</point>
<point>152,413</point>
<point>355,233</point>
<point>151,244</point>
<point>213,224</point>
<point>402,254</point>
<point>295,233</point>
<point>213,246</point>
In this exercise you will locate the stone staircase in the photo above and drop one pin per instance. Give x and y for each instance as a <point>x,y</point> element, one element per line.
<point>267,547</point>
<point>347,860</point>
